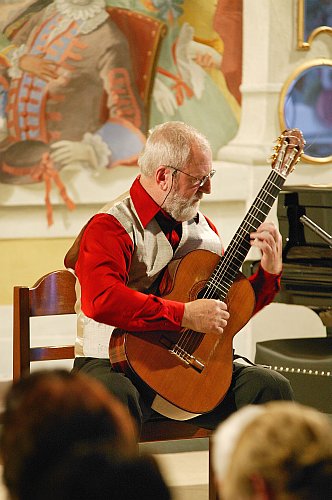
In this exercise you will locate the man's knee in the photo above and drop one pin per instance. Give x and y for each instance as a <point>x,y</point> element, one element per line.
<point>271,385</point>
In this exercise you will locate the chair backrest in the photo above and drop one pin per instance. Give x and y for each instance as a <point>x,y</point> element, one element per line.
<point>53,294</point>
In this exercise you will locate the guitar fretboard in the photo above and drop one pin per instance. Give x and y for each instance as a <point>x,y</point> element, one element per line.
<point>229,265</point>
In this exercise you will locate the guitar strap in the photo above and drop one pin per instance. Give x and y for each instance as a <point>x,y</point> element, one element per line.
<point>239,356</point>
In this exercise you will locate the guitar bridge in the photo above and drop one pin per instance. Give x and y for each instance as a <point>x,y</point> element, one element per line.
<point>188,359</point>
<point>183,355</point>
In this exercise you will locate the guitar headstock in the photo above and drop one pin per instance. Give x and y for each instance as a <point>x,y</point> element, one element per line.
<point>288,151</point>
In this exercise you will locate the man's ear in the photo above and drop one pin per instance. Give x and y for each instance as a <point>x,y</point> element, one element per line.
<point>163,176</point>
<point>261,488</point>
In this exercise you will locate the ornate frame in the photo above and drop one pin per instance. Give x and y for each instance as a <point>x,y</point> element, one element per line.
<point>301,43</point>
<point>284,94</point>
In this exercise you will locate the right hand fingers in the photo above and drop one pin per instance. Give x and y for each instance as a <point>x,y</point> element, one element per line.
<point>206,316</point>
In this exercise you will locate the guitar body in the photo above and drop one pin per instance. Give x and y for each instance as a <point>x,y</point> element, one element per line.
<point>199,384</point>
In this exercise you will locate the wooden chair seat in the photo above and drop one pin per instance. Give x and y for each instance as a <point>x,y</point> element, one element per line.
<point>52,295</point>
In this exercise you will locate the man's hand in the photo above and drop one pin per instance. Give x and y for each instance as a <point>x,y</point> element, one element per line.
<point>39,66</point>
<point>268,239</point>
<point>205,316</point>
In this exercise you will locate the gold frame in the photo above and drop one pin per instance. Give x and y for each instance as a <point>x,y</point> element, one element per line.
<point>283,94</point>
<point>301,43</point>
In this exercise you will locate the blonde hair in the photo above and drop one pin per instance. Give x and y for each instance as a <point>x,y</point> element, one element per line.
<point>286,444</point>
<point>171,143</point>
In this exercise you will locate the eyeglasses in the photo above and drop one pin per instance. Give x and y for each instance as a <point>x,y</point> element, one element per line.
<point>199,182</point>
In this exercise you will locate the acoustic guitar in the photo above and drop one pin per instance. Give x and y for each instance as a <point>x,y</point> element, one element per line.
<point>190,372</point>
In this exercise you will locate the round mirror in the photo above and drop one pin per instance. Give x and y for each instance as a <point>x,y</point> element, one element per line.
<point>306,103</point>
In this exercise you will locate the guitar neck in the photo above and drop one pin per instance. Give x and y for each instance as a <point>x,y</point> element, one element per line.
<point>229,265</point>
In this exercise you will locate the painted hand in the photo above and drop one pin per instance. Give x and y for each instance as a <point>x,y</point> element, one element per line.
<point>68,152</point>
<point>39,66</point>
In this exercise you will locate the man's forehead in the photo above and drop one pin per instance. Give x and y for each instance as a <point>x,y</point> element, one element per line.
<point>202,160</point>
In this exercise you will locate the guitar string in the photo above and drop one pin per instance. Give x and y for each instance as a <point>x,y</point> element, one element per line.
<point>189,339</point>
<point>189,335</point>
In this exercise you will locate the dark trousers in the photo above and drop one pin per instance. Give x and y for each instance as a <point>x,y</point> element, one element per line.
<point>251,384</point>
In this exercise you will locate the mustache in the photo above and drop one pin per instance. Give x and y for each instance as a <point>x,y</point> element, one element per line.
<point>198,196</point>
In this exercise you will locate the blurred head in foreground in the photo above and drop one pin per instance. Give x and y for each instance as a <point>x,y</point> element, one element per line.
<point>277,451</point>
<point>49,413</point>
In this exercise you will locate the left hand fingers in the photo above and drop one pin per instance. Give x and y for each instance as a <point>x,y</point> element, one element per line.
<point>266,231</point>
<point>267,238</point>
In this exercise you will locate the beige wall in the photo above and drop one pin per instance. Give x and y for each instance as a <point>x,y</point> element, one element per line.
<point>24,261</point>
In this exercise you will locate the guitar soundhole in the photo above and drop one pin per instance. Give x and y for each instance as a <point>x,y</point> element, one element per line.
<point>206,293</point>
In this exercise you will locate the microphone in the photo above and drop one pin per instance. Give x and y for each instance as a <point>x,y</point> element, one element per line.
<point>316,229</point>
<point>170,189</point>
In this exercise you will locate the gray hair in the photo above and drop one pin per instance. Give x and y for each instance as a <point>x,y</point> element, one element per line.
<point>171,143</point>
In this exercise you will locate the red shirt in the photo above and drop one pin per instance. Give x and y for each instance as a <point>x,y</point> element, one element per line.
<point>103,266</point>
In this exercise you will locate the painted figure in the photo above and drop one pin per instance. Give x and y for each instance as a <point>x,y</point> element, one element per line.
<point>68,89</point>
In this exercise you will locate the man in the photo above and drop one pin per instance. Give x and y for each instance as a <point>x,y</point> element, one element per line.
<point>120,256</point>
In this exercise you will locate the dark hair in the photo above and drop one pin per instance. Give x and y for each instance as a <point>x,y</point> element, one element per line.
<point>97,472</point>
<point>47,413</point>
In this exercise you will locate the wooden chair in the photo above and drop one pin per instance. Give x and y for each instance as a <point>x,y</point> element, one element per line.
<point>52,295</point>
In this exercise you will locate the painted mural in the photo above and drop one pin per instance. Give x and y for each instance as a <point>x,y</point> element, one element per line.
<point>81,81</point>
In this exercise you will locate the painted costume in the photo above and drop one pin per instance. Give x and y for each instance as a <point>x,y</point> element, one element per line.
<point>93,100</point>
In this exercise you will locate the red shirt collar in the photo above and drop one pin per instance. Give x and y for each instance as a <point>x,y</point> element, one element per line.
<point>145,206</point>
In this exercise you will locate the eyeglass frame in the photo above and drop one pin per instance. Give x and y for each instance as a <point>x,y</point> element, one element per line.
<point>200,182</point>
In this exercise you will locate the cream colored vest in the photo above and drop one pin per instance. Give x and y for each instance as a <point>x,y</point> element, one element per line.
<point>152,253</point>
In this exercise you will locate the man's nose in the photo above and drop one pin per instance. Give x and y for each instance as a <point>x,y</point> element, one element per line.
<point>206,188</point>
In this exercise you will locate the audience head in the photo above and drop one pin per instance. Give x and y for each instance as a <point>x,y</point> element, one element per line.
<point>95,472</point>
<point>172,143</point>
<point>280,451</point>
<point>49,412</point>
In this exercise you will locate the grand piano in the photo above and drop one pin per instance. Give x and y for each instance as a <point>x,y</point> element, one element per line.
<point>306,281</point>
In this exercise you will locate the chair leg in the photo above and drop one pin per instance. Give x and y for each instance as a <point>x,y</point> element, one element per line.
<point>213,495</point>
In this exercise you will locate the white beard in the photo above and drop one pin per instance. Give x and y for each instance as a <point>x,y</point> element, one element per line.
<point>181,209</point>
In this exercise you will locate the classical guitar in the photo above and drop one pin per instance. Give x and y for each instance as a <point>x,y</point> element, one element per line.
<point>190,372</point>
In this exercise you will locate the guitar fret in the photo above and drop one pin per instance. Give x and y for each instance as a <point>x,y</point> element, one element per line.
<point>265,203</point>
<point>224,283</point>
<point>261,211</point>
<point>252,225</point>
<point>275,185</point>
<point>268,194</point>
